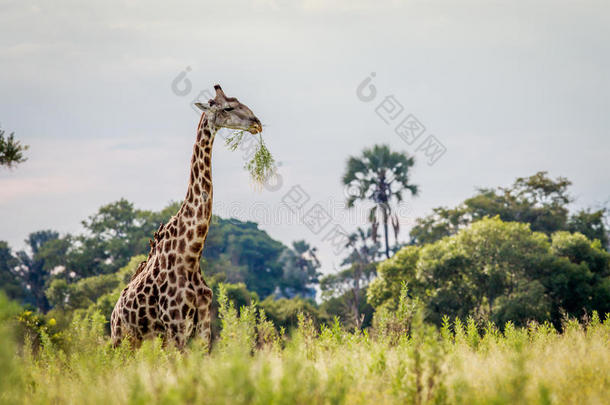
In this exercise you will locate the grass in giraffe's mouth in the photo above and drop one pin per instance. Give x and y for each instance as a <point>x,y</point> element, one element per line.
<point>261,164</point>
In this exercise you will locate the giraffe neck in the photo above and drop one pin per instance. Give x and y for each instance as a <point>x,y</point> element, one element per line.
<point>196,210</point>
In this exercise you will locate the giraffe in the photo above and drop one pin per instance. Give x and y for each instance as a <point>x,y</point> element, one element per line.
<point>167,295</point>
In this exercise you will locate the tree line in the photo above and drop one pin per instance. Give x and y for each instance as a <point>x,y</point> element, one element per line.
<point>509,253</point>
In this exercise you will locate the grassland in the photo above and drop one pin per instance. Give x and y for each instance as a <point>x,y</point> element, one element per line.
<point>402,361</point>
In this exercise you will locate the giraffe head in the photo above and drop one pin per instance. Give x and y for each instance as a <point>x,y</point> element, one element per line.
<point>227,112</point>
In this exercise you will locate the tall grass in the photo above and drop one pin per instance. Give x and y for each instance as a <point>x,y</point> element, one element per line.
<point>402,361</point>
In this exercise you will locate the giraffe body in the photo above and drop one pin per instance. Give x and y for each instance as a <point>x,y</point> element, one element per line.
<point>167,295</point>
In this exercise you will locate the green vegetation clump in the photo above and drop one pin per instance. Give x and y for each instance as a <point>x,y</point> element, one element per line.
<point>499,271</point>
<point>262,164</point>
<point>11,150</point>
<point>401,360</point>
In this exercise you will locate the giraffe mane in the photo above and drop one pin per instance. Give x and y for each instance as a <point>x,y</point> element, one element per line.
<point>139,270</point>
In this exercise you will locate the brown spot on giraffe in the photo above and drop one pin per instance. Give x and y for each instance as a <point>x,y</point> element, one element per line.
<point>188,212</point>
<point>196,247</point>
<point>171,260</point>
<point>201,228</point>
<point>191,260</point>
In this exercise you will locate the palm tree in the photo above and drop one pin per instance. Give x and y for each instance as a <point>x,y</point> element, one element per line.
<point>380,176</point>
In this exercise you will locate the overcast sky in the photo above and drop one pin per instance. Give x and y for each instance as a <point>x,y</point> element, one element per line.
<point>508,88</point>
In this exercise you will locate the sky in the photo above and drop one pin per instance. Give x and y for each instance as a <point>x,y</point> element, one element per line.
<point>102,93</point>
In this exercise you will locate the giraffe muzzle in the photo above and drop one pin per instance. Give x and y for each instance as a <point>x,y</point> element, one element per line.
<point>256,128</point>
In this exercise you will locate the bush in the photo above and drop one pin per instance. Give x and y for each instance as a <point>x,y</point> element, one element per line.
<point>410,362</point>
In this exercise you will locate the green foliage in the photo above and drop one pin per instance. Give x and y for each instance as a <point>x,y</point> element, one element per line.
<point>499,271</point>
<point>37,329</point>
<point>29,271</point>
<point>284,312</point>
<point>385,289</point>
<point>442,222</point>
<point>10,282</point>
<point>342,282</point>
<point>11,150</point>
<point>235,252</point>
<point>117,232</point>
<point>461,364</point>
<point>234,139</point>
<point>393,325</point>
<point>245,330</point>
<point>262,164</point>
<point>591,224</point>
<point>299,271</point>
<point>82,294</point>
<point>90,295</point>
<point>537,200</point>
<point>236,332</point>
<point>12,381</point>
<point>580,279</point>
<point>243,253</point>
<point>345,291</point>
<point>343,308</point>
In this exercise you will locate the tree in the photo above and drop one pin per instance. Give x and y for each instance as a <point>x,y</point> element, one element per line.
<point>591,224</point>
<point>245,254</point>
<point>81,294</point>
<point>11,150</point>
<point>391,274</point>
<point>537,200</point>
<point>9,282</point>
<point>114,234</point>
<point>500,271</point>
<point>284,312</point>
<point>33,271</point>
<point>442,222</point>
<point>299,271</point>
<point>346,287</point>
<point>89,295</point>
<point>380,176</point>
<point>578,279</point>
<point>482,269</point>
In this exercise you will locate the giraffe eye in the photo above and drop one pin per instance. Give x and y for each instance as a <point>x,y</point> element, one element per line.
<point>228,109</point>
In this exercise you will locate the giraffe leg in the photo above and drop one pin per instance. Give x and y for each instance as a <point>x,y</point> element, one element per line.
<point>203,327</point>
<point>121,332</point>
<point>176,336</point>
<point>115,329</point>
<point>204,330</point>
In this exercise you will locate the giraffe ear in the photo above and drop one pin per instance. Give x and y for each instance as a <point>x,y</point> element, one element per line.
<point>202,106</point>
<point>220,95</point>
